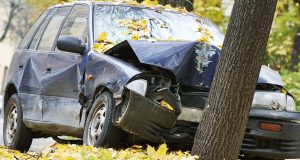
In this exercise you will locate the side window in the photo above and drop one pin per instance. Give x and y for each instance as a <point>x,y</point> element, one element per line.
<point>40,31</point>
<point>27,38</point>
<point>77,23</point>
<point>52,29</point>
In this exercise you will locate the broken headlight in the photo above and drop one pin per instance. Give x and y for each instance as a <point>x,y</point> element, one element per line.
<point>273,97</point>
<point>139,86</point>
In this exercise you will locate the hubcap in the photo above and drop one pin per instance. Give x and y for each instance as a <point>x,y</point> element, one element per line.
<point>96,125</point>
<point>11,125</point>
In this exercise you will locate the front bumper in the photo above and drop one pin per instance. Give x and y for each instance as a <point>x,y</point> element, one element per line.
<point>278,145</point>
<point>146,118</point>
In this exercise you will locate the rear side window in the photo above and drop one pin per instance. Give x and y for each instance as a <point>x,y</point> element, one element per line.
<point>52,29</point>
<point>27,38</point>
<point>77,23</point>
<point>40,31</point>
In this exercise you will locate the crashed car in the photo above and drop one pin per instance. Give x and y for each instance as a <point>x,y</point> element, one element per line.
<point>116,74</point>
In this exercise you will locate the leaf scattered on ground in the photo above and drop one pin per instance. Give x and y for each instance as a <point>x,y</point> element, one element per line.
<point>75,152</point>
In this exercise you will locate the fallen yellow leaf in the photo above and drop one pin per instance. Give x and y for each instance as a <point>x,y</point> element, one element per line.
<point>102,37</point>
<point>162,150</point>
<point>166,105</point>
<point>135,37</point>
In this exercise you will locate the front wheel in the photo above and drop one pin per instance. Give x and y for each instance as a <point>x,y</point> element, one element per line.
<point>15,134</point>
<point>99,129</point>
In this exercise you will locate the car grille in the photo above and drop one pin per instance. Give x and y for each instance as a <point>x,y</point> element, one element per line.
<point>255,142</point>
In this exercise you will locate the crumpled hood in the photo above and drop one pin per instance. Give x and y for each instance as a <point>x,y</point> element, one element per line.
<point>267,75</point>
<point>193,63</point>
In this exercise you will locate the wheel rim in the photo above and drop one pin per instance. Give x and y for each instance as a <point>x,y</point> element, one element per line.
<point>11,124</point>
<point>97,123</point>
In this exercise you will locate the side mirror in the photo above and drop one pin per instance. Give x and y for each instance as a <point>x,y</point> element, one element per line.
<point>71,44</point>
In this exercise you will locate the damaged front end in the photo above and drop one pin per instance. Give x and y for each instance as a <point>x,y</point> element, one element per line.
<point>151,100</point>
<point>150,107</point>
<point>270,92</point>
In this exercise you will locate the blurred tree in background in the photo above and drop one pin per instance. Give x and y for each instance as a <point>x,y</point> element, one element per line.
<point>44,4</point>
<point>281,41</point>
<point>20,15</point>
<point>212,10</point>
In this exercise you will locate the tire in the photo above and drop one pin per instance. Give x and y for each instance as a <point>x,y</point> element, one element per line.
<point>99,129</point>
<point>15,134</point>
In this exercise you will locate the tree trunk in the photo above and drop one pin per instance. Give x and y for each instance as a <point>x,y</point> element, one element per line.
<point>13,8</point>
<point>224,121</point>
<point>296,51</point>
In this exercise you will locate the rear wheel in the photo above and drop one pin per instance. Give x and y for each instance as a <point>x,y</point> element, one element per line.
<point>15,134</point>
<point>99,129</point>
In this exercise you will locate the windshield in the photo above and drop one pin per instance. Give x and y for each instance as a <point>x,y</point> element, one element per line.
<point>121,23</point>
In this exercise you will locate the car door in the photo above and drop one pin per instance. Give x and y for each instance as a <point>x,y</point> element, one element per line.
<point>34,76</point>
<point>32,69</point>
<point>65,72</point>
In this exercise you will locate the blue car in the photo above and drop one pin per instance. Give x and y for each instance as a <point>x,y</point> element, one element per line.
<point>116,75</point>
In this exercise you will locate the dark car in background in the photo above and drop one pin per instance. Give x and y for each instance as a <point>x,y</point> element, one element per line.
<point>115,74</point>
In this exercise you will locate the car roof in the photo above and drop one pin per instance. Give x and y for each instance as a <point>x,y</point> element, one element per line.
<point>116,4</point>
<point>70,4</point>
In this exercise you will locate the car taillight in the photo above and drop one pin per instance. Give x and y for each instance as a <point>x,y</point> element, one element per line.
<point>270,127</point>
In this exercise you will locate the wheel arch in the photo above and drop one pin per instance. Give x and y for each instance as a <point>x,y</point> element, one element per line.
<point>10,90</point>
<point>84,113</point>
<point>100,89</point>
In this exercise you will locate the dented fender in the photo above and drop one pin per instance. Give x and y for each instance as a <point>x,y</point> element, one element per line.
<point>107,72</point>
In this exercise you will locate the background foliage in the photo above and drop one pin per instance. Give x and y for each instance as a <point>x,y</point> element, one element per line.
<point>281,40</point>
<point>286,23</point>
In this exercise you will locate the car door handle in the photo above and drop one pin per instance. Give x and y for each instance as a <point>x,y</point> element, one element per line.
<point>21,67</point>
<point>48,70</point>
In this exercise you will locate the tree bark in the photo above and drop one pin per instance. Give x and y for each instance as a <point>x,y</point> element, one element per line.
<point>296,51</point>
<point>221,130</point>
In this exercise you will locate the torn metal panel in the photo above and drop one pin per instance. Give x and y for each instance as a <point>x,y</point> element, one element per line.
<point>144,117</point>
